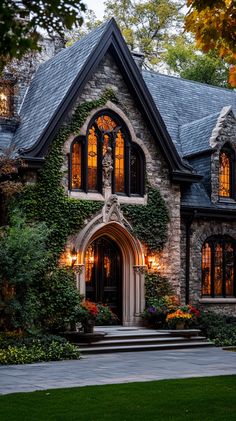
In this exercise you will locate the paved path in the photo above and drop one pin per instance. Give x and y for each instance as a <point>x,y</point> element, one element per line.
<point>117,368</point>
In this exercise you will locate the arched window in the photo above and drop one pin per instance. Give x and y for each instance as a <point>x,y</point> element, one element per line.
<point>107,140</point>
<point>218,267</point>
<point>226,169</point>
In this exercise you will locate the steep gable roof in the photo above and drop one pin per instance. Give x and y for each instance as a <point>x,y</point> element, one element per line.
<point>59,81</point>
<point>181,102</point>
<point>49,87</point>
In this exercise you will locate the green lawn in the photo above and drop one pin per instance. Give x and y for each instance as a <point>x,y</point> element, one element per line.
<point>201,399</point>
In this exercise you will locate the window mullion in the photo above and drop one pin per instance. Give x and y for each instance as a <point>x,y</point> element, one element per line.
<point>224,271</point>
<point>213,270</point>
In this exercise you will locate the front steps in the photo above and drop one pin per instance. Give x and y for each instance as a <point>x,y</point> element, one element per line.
<point>134,339</point>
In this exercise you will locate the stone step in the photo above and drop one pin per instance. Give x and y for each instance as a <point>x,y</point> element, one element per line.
<point>94,349</point>
<point>151,334</point>
<point>110,341</point>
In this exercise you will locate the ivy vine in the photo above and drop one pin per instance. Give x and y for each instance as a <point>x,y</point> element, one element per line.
<point>46,200</point>
<point>149,221</point>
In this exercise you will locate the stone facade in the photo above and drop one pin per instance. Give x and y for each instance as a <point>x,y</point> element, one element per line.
<point>201,230</point>
<point>108,76</point>
<point>224,133</point>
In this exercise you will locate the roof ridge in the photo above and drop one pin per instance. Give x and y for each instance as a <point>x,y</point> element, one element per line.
<point>191,123</point>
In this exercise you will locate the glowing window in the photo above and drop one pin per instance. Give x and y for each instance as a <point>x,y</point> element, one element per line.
<point>106,156</point>
<point>218,267</point>
<point>5,100</point>
<point>225,175</point>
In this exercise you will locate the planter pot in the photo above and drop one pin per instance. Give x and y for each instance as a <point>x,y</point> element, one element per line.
<point>180,325</point>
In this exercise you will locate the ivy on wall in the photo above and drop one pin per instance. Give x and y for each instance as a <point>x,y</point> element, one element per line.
<point>149,221</point>
<point>46,200</point>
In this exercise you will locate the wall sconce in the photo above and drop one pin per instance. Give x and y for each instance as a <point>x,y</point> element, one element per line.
<point>73,256</point>
<point>152,263</point>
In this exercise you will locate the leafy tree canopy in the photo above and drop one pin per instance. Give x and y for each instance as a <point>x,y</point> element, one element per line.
<point>20,22</point>
<point>183,58</point>
<point>147,25</point>
<point>213,22</point>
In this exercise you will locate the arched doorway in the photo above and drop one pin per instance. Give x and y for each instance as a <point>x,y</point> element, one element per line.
<point>103,274</point>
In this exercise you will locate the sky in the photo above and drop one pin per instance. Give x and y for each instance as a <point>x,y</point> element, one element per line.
<point>97,6</point>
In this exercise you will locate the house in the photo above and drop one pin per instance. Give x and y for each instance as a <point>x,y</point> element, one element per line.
<point>136,143</point>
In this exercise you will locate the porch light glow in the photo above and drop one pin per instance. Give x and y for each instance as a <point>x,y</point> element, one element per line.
<point>73,256</point>
<point>152,263</point>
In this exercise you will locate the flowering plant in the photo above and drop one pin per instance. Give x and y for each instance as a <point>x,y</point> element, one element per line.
<point>186,314</point>
<point>87,313</point>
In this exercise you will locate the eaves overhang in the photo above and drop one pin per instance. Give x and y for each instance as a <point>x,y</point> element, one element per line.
<point>113,42</point>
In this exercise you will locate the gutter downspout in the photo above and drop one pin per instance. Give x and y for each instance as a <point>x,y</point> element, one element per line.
<point>188,224</point>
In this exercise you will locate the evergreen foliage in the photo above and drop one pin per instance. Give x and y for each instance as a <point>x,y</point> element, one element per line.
<point>149,221</point>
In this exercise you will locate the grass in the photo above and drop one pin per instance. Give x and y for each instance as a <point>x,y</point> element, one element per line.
<point>198,399</point>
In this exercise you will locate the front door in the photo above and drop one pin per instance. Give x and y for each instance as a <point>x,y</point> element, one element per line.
<point>104,274</point>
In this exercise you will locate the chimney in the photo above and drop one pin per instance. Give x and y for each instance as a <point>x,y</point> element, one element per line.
<point>138,58</point>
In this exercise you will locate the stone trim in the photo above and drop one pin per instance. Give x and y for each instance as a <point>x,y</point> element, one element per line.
<point>217,300</point>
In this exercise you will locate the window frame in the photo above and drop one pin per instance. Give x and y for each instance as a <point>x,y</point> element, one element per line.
<point>128,144</point>
<point>212,242</point>
<point>231,154</point>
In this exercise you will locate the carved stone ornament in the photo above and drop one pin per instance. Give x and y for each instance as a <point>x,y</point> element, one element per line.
<point>140,269</point>
<point>112,211</point>
<point>107,167</point>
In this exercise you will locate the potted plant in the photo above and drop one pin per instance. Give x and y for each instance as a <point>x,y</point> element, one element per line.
<point>182,317</point>
<point>87,315</point>
<point>155,313</point>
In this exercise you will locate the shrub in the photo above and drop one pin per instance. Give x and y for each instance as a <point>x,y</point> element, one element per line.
<point>105,316</point>
<point>26,350</point>
<point>221,329</point>
<point>156,286</point>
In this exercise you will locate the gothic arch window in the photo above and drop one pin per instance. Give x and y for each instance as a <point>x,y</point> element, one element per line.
<point>107,152</point>
<point>226,172</point>
<point>218,267</point>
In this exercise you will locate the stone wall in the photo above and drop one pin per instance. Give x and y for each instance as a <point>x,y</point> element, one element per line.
<point>225,132</point>
<point>108,76</point>
<point>200,230</point>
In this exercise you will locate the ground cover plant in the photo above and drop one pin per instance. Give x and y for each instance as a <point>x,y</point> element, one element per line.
<point>15,349</point>
<point>211,398</point>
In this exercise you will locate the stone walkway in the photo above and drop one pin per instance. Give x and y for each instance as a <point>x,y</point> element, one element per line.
<point>117,368</point>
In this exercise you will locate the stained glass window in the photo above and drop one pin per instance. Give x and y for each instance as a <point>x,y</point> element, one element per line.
<point>206,269</point>
<point>5,100</point>
<point>119,163</point>
<point>218,267</point>
<point>92,159</point>
<point>106,157</point>
<point>76,165</point>
<point>105,123</point>
<point>225,175</point>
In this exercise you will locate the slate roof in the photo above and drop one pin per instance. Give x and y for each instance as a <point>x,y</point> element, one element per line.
<point>195,195</point>
<point>50,85</point>
<point>182,101</point>
<point>195,136</point>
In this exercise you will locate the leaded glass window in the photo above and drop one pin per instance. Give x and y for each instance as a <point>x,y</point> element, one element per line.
<point>218,267</point>
<point>107,140</point>
<point>76,165</point>
<point>6,92</point>
<point>225,174</point>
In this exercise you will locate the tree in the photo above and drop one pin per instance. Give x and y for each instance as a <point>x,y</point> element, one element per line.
<point>183,58</point>
<point>23,259</point>
<point>147,25</point>
<point>213,22</point>
<point>89,22</point>
<point>20,22</point>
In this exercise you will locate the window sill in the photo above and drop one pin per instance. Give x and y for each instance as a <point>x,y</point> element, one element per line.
<point>226,200</point>
<point>86,196</point>
<point>129,200</point>
<point>217,300</point>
